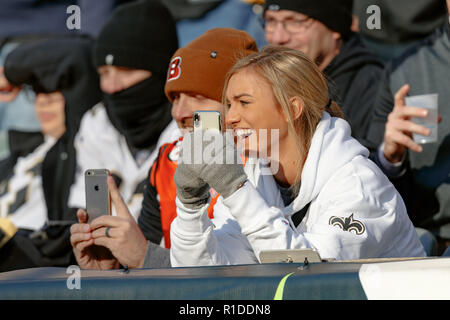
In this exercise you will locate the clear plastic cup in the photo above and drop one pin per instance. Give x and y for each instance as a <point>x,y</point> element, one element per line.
<point>430,102</point>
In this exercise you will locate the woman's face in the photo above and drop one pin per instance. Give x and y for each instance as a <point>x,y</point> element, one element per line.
<point>254,115</point>
<point>50,113</point>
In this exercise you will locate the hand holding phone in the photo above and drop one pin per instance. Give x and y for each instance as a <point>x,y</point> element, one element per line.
<point>98,198</point>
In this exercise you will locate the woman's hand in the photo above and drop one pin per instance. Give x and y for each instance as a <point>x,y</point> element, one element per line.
<point>208,159</point>
<point>125,239</point>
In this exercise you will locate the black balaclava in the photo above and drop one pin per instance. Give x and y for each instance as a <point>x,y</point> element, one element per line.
<point>140,112</point>
<point>139,35</point>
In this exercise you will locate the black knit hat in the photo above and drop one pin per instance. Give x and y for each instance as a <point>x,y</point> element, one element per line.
<point>335,14</point>
<point>139,35</point>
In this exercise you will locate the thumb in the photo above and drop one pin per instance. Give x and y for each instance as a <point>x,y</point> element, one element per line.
<point>82,216</point>
<point>117,200</point>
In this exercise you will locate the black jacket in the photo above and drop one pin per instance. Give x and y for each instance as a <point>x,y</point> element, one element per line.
<point>65,65</point>
<point>354,76</point>
<point>425,183</point>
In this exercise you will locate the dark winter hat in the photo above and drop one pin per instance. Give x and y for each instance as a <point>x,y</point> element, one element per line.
<point>201,66</point>
<point>335,14</point>
<point>139,35</point>
<point>61,64</point>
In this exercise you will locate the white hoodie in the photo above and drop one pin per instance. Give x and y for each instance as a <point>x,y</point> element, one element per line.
<point>338,180</point>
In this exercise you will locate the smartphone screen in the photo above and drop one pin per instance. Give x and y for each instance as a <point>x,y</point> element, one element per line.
<point>98,199</point>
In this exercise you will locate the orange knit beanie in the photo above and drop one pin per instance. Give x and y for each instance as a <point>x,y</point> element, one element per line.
<point>201,66</point>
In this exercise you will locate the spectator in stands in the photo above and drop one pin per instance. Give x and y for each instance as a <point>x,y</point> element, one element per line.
<point>123,132</point>
<point>194,82</point>
<point>31,20</point>
<point>420,172</point>
<point>402,23</point>
<point>324,193</point>
<point>321,30</point>
<point>36,177</point>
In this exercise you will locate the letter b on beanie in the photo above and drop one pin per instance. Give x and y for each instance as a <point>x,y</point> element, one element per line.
<point>201,66</point>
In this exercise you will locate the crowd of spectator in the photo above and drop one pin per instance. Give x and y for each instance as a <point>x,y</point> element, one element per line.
<point>317,147</point>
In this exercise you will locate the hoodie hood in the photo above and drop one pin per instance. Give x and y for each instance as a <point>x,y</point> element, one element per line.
<point>332,147</point>
<point>352,56</point>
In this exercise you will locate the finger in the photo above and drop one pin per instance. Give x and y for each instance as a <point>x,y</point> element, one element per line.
<point>399,98</point>
<point>409,127</point>
<point>405,140</point>
<point>101,232</point>
<point>82,216</point>
<point>106,221</point>
<point>79,236</point>
<point>117,200</point>
<point>439,118</point>
<point>80,228</point>
<point>80,246</point>
<point>411,111</point>
<point>104,242</point>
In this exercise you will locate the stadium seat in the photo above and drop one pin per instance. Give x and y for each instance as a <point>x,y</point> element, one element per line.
<point>428,241</point>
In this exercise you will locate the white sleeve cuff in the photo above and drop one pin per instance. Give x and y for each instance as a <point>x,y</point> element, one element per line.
<point>391,169</point>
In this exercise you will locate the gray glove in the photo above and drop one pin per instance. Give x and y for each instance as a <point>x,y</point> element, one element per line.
<point>208,159</point>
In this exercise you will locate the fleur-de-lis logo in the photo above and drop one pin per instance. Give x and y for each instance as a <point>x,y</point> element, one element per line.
<point>347,224</point>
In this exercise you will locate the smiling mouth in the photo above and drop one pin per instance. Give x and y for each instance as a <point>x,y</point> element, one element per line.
<point>243,134</point>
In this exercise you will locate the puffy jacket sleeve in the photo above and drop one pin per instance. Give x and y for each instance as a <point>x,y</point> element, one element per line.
<point>239,231</point>
<point>197,240</point>
<point>374,209</point>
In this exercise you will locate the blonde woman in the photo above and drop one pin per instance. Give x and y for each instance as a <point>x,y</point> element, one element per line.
<point>323,193</point>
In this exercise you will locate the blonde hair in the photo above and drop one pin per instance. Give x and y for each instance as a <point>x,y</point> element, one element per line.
<point>291,73</point>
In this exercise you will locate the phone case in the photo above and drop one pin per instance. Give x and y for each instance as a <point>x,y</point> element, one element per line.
<point>204,120</point>
<point>98,199</point>
<point>289,256</point>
